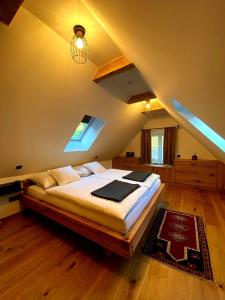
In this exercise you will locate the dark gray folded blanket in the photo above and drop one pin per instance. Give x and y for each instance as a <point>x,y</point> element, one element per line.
<point>115,190</point>
<point>138,176</point>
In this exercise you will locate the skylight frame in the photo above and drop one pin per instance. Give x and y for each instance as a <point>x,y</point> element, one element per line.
<point>202,127</point>
<point>88,138</point>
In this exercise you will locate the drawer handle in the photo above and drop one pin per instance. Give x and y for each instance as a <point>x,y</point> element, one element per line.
<point>193,164</point>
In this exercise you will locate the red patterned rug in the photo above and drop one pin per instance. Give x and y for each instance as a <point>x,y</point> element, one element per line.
<point>179,240</point>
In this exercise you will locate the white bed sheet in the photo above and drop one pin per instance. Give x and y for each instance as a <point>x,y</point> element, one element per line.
<point>121,221</point>
<point>80,193</point>
<point>118,174</point>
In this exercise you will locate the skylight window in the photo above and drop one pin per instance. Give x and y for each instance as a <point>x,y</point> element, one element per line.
<point>81,128</point>
<point>85,134</point>
<point>208,132</point>
<point>79,132</point>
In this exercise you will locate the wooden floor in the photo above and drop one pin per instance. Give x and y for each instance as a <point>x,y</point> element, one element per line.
<point>42,260</point>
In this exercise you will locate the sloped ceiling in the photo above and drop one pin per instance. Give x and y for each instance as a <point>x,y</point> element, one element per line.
<point>44,96</point>
<point>125,84</point>
<point>61,16</point>
<point>177,45</point>
<point>179,48</point>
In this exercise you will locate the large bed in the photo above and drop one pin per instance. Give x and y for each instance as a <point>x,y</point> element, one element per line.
<point>116,226</point>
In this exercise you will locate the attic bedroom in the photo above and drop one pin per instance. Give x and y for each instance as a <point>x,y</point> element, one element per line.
<point>112,165</point>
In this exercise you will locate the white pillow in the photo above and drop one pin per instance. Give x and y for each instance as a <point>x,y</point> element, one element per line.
<point>44,180</point>
<point>64,175</point>
<point>83,171</point>
<point>95,167</point>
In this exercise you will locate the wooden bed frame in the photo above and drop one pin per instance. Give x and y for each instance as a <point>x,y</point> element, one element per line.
<point>123,245</point>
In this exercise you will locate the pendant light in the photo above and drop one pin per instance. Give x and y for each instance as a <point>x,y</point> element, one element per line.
<point>79,45</point>
<point>147,104</point>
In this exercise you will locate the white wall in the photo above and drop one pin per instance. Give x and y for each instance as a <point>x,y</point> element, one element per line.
<point>187,145</point>
<point>9,208</point>
<point>179,48</point>
<point>44,96</point>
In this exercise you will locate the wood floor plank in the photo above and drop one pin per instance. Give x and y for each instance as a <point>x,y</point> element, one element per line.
<point>40,259</point>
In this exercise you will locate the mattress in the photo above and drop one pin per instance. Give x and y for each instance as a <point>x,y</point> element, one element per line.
<point>118,174</point>
<point>117,222</point>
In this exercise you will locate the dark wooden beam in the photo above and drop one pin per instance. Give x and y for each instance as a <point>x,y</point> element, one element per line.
<point>141,97</point>
<point>8,9</point>
<point>113,67</point>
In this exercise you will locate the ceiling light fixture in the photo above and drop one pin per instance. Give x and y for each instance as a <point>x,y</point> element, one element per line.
<point>79,45</point>
<point>147,104</point>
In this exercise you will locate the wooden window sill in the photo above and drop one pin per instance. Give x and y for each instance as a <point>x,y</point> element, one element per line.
<point>159,165</point>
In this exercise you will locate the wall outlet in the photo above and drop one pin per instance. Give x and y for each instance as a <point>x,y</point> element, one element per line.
<point>19,167</point>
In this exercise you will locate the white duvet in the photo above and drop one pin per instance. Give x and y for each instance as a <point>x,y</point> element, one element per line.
<point>118,174</point>
<point>79,192</point>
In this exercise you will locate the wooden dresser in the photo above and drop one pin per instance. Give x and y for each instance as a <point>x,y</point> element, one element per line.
<point>196,173</point>
<point>201,173</point>
<point>125,163</point>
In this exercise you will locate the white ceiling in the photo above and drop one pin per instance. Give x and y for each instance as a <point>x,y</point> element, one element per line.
<point>61,16</point>
<point>179,47</point>
<point>125,84</point>
<point>44,96</point>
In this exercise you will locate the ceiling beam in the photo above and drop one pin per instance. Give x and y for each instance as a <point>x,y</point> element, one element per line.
<point>113,67</point>
<point>8,9</point>
<point>141,97</point>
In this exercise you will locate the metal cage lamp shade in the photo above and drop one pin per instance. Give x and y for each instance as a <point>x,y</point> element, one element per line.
<point>79,45</point>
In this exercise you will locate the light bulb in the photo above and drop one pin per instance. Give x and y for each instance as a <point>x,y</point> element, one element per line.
<point>147,105</point>
<point>79,43</point>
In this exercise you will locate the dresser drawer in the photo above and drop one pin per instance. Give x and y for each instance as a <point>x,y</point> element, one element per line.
<point>126,163</point>
<point>204,180</point>
<point>198,173</point>
<point>197,168</point>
